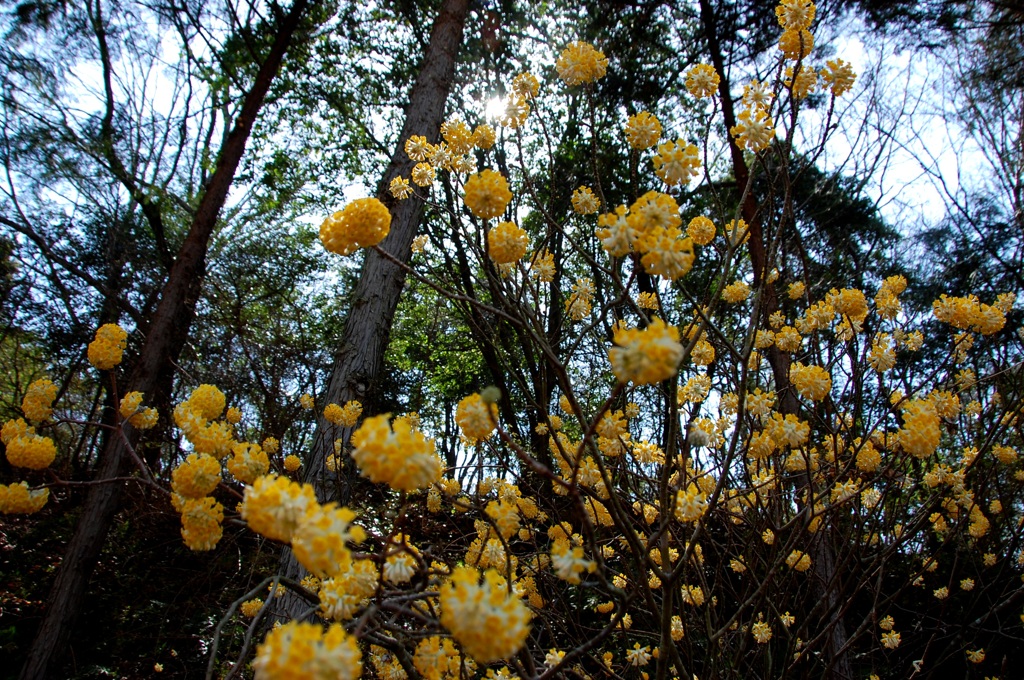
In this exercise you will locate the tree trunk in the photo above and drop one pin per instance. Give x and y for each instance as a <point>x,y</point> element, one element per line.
<point>360,356</point>
<point>164,341</point>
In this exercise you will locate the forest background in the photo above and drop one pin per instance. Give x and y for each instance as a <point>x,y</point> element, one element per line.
<point>167,167</point>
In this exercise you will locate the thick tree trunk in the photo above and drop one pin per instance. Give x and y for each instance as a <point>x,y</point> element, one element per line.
<point>360,356</point>
<point>163,344</point>
<point>824,564</point>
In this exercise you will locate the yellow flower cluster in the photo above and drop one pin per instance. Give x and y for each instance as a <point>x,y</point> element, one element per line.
<point>754,129</point>
<point>646,356</point>
<point>38,402</point>
<point>651,227</point>
<point>363,223</point>
<point>200,521</point>
<point>578,305</point>
<point>342,596</point>
<point>18,499</point>
<point>812,382</point>
<point>106,350</point>
<point>344,416</point>
<point>319,540</point>
<point>643,130</point>
<point>305,650</point>
<point>198,476</point>
<point>691,504</point>
<point>968,313</point>
<point>436,658</point>
<point>274,506</point>
<point>736,292</point>
<point>580,63</point>
<point>193,418</point>
<point>131,410</point>
<point>487,194</point>
<point>676,162</point>
<point>584,202</point>
<point>402,457</point>
<point>920,433</point>
<point>701,230</point>
<point>476,418</point>
<point>702,80</point>
<point>31,451</point>
<point>507,243</point>
<point>248,463</point>
<point>798,560</point>
<point>796,43</point>
<point>568,562</point>
<point>483,617</point>
<point>839,77</point>
<point>207,401</point>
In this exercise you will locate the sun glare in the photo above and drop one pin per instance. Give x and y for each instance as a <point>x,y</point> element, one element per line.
<point>494,108</point>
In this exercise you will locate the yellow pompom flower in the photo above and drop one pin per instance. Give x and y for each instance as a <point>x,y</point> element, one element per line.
<point>198,476</point>
<point>487,194</point>
<point>507,243</point>
<point>801,82</point>
<point>344,416</point>
<point>458,136</point>
<point>248,462</point>
<point>754,129</point>
<point>643,130</point>
<point>18,499</point>
<point>417,148</point>
<point>796,290</point>
<point>208,401</point>
<point>15,428</point>
<point>616,233</point>
<point>488,621</point>
<point>400,456</point>
<point>31,451</point>
<point>799,560</point>
<point>201,523</point>
<point>234,415</point>
<point>107,349</point>
<point>666,253</point>
<point>701,230</point>
<point>736,292</point>
<point>839,77</point>
<point>341,597</point>
<point>891,639</point>
<point>484,137</point>
<point>361,224</point>
<point>319,541</point>
<point>304,650</point>
<point>476,418</point>
<point>423,174</point>
<point>762,632</point>
<point>400,188</point>
<point>581,63</point>
<point>38,402</point>
<point>702,80</point>
<point>676,162</point>
<point>273,506</point>
<point>584,202</point>
<point>526,85</point>
<point>292,463</point>
<point>646,356</point>
<point>250,608</point>
<point>920,433</point>
<point>691,504</point>
<point>812,382</point>
<point>796,43</point>
<point>795,14</point>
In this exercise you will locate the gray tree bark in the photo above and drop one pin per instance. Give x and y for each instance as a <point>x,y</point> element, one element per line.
<point>164,341</point>
<point>360,356</point>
